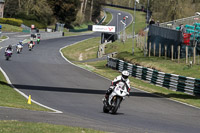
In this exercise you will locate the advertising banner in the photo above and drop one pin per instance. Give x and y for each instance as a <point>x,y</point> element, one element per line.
<point>101,28</point>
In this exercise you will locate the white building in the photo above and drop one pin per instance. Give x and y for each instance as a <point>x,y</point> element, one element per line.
<point>1,8</point>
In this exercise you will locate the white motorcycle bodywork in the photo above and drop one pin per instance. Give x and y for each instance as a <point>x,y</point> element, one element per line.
<point>119,90</point>
<point>19,48</point>
<point>30,46</point>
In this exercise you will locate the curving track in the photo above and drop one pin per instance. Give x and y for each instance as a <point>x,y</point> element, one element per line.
<point>54,82</point>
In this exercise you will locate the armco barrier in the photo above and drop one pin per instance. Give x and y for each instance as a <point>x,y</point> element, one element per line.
<point>171,81</point>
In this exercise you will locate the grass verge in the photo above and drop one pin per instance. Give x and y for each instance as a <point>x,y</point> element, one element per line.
<point>27,127</point>
<point>2,38</point>
<point>78,52</point>
<point>10,28</point>
<point>10,98</point>
<point>108,18</point>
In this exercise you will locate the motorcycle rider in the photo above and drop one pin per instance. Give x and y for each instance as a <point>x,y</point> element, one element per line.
<point>9,48</point>
<point>121,78</point>
<point>20,43</point>
<point>32,42</point>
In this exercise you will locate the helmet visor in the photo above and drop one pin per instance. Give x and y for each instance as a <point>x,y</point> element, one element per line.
<point>125,77</point>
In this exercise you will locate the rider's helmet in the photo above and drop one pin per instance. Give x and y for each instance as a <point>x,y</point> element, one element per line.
<point>125,75</point>
<point>10,46</point>
<point>20,42</point>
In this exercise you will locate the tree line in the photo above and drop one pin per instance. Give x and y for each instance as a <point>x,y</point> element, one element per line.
<point>164,10</point>
<point>69,12</point>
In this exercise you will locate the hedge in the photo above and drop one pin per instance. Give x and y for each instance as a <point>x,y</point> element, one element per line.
<point>11,21</point>
<point>37,24</point>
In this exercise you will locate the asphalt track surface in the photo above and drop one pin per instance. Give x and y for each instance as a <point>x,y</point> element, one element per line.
<point>56,83</point>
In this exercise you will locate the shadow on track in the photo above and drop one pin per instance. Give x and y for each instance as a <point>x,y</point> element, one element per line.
<point>77,90</point>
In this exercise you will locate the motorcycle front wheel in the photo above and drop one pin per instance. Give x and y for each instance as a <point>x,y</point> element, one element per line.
<point>105,110</point>
<point>116,103</point>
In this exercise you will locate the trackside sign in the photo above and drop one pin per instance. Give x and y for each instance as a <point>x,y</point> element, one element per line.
<point>101,28</point>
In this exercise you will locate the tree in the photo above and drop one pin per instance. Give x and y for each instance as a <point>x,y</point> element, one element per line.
<point>91,9</point>
<point>37,10</point>
<point>10,8</point>
<point>65,10</point>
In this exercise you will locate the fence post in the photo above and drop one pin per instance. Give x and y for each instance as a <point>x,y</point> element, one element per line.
<point>154,49</point>
<point>186,54</point>
<point>159,50</point>
<point>179,52</point>
<point>165,52</point>
<point>137,41</point>
<point>172,52</point>
<point>194,55</point>
<point>150,49</point>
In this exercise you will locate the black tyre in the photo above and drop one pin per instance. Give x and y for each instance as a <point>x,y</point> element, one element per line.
<point>7,57</point>
<point>116,105</point>
<point>105,110</point>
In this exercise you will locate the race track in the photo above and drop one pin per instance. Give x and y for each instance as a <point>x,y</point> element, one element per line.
<point>56,83</point>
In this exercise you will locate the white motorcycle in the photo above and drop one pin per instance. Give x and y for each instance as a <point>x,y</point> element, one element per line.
<point>19,48</point>
<point>30,46</point>
<point>115,98</point>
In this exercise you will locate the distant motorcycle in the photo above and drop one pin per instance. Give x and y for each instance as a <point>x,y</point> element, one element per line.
<point>115,98</point>
<point>38,41</point>
<point>19,48</point>
<point>8,54</point>
<point>30,46</point>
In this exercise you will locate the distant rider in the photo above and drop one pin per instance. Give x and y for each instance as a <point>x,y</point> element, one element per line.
<point>20,43</point>
<point>121,78</point>
<point>32,42</point>
<point>9,48</point>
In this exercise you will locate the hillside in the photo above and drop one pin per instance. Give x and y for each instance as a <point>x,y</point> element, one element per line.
<point>164,10</point>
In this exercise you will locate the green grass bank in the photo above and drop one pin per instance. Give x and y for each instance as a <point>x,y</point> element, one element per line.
<point>28,127</point>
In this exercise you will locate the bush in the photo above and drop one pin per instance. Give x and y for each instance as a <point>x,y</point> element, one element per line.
<point>37,24</point>
<point>18,22</point>
<point>11,21</point>
<point>23,16</point>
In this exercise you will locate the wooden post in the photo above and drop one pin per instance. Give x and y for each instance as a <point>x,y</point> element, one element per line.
<point>154,49</point>
<point>159,50</point>
<point>137,41</point>
<point>150,49</point>
<point>141,47</point>
<point>194,55</point>
<point>179,52</point>
<point>172,52</point>
<point>186,54</point>
<point>165,51</point>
